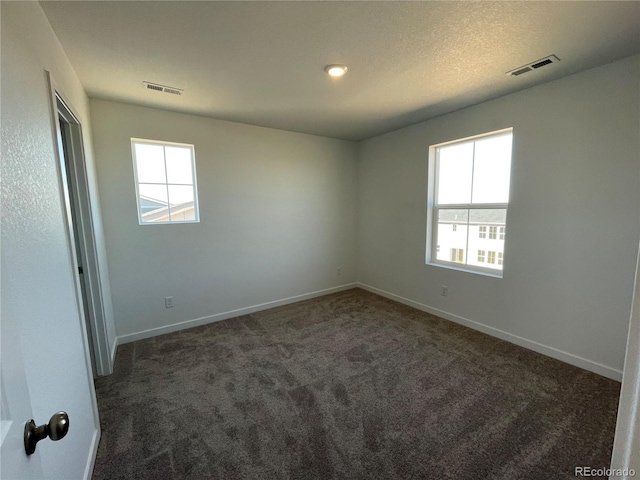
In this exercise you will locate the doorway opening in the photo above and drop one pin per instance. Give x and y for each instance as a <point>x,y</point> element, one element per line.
<point>81,229</point>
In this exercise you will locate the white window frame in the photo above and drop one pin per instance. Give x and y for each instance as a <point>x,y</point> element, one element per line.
<point>433,209</point>
<point>196,206</point>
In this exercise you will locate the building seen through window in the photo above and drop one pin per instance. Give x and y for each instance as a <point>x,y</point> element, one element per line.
<point>459,232</point>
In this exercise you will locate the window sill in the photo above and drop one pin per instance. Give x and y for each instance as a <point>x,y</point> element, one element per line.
<point>459,268</point>
<point>169,223</point>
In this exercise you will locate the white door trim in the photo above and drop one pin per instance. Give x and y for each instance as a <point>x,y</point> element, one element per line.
<point>62,180</point>
<point>97,324</point>
<point>627,441</point>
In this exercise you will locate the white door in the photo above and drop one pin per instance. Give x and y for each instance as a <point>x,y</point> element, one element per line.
<point>16,406</point>
<point>44,357</point>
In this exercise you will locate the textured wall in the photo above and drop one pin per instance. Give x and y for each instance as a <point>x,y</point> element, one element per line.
<point>36,32</point>
<point>573,223</point>
<point>277,218</point>
<point>38,289</point>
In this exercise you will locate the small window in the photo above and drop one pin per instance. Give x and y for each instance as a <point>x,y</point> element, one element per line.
<point>469,183</point>
<point>457,255</point>
<point>454,227</point>
<point>165,176</point>
<point>500,254</point>
<point>481,255</point>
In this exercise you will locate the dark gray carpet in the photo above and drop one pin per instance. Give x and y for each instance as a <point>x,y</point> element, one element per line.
<point>348,386</point>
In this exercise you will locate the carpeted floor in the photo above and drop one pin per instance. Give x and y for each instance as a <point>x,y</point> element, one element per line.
<point>347,386</point>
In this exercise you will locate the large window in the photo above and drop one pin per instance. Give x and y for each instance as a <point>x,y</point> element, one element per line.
<point>469,188</point>
<point>165,175</point>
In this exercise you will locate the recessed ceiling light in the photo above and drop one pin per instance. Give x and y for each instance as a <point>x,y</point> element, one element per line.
<point>336,71</point>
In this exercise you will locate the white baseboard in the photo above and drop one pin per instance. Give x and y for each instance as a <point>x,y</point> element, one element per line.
<point>153,332</point>
<point>566,357</point>
<point>93,452</point>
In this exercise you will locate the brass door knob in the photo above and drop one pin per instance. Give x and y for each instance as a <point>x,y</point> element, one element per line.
<point>56,429</point>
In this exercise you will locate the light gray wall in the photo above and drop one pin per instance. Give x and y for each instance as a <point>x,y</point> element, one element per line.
<point>277,219</point>
<point>572,226</point>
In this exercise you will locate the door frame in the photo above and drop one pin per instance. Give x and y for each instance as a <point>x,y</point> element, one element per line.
<point>95,328</point>
<point>627,438</point>
<point>78,157</point>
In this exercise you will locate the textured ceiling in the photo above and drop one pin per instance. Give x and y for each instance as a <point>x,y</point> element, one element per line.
<point>262,62</point>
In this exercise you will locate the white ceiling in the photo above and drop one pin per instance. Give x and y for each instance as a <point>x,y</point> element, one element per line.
<point>262,62</point>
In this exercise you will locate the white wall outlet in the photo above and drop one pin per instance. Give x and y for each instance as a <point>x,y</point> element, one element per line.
<point>339,270</point>
<point>444,290</point>
<point>168,302</point>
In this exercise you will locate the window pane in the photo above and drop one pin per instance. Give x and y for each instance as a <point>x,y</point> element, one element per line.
<point>483,225</point>
<point>183,215</point>
<point>455,164</point>
<point>179,165</point>
<point>450,238</point>
<point>182,202</point>
<point>492,217</point>
<point>150,163</point>
<point>153,203</point>
<point>491,169</point>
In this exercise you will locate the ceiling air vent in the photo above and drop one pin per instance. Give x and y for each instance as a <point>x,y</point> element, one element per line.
<point>533,65</point>
<point>162,88</point>
<point>520,71</point>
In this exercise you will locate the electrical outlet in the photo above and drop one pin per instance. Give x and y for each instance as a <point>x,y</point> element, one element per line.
<point>339,270</point>
<point>168,302</point>
<point>444,290</point>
